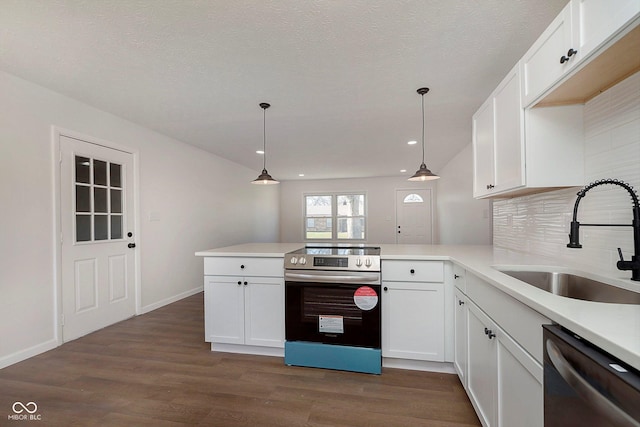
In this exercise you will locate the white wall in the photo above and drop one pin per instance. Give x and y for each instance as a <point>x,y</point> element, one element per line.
<point>201,200</point>
<point>539,224</point>
<point>381,199</point>
<point>462,219</point>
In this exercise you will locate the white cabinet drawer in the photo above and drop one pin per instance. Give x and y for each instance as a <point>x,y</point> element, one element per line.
<point>413,271</point>
<point>243,266</point>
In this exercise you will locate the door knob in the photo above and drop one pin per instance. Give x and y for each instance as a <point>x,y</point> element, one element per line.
<point>131,245</point>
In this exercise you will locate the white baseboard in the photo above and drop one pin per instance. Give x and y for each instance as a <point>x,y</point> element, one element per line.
<point>21,355</point>
<point>418,365</point>
<point>156,305</point>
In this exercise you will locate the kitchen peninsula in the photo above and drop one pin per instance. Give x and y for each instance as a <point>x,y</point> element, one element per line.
<point>613,327</point>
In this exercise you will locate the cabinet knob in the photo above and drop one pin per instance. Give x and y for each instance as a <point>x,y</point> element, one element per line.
<point>490,186</point>
<point>385,289</point>
<point>486,331</point>
<point>412,271</point>
<point>245,283</point>
<point>570,53</point>
<point>491,334</point>
<point>455,276</point>
<point>239,282</point>
<point>242,266</point>
<point>460,302</point>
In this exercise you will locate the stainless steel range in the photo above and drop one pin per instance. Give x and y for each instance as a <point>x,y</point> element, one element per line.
<point>332,311</point>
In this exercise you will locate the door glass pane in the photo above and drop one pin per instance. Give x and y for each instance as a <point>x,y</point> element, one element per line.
<point>99,172</point>
<point>82,169</point>
<point>116,201</point>
<point>350,228</point>
<point>102,227</point>
<point>115,174</point>
<point>83,228</point>
<point>116,227</point>
<point>100,200</point>
<point>83,198</point>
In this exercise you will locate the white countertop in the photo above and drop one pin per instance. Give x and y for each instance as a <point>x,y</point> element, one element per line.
<point>613,327</point>
<point>268,250</point>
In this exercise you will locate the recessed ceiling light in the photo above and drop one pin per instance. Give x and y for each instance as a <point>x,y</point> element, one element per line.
<point>412,142</point>
<point>403,170</point>
<point>259,151</point>
<point>300,174</point>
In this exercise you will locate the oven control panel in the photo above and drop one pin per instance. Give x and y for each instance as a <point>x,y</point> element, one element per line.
<point>317,262</point>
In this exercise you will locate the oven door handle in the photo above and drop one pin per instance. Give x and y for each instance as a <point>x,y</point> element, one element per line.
<point>599,402</point>
<point>327,277</point>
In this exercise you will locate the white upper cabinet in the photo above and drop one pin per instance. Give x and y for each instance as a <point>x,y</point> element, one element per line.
<point>498,139</point>
<point>521,151</point>
<point>548,59</point>
<point>583,30</point>
<point>596,20</point>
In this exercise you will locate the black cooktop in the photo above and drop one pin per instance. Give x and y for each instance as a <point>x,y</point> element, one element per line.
<point>339,250</point>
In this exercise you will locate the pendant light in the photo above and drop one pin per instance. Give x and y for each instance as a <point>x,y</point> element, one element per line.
<point>264,178</point>
<point>423,174</point>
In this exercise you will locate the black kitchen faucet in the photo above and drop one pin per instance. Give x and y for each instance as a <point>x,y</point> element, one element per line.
<point>574,236</point>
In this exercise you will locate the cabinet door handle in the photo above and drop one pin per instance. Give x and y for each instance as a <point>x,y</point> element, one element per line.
<point>412,271</point>
<point>245,283</point>
<point>460,302</point>
<point>242,266</point>
<point>455,276</point>
<point>490,186</point>
<point>239,282</point>
<point>491,334</point>
<point>385,289</point>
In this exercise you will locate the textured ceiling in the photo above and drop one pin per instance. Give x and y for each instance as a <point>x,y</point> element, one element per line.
<point>341,75</point>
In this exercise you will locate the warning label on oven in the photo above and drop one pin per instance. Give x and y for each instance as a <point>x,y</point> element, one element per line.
<point>331,324</point>
<point>365,298</point>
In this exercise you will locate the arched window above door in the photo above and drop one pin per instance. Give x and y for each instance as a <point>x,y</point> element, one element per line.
<point>413,198</point>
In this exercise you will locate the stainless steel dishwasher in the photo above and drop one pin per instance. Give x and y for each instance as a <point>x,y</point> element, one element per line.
<point>585,386</point>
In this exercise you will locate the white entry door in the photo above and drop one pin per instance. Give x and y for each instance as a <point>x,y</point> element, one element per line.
<point>413,216</point>
<point>97,223</point>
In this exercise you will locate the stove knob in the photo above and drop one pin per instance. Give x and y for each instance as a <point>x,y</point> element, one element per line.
<point>303,260</point>
<point>367,262</point>
<point>293,260</point>
<point>359,262</point>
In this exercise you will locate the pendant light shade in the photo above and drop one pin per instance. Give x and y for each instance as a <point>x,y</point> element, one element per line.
<point>423,173</point>
<point>264,178</point>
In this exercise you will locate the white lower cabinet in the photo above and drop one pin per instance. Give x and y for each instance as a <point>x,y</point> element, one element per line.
<point>482,380</point>
<point>460,336</point>
<point>413,321</point>
<point>520,391</point>
<point>502,379</point>
<point>413,310</point>
<point>244,310</point>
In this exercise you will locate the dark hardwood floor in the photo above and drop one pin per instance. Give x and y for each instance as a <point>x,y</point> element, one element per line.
<point>156,370</point>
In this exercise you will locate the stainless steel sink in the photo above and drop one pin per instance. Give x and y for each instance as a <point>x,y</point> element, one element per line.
<point>575,286</point>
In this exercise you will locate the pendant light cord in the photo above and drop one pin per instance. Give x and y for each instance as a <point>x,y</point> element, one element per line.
<point>264,138</point>
<point>422,95</point>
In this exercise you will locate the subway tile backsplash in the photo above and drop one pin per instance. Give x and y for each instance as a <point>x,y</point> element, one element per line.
<point>539,223</point>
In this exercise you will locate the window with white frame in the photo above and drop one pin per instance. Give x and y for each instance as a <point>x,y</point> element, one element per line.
<point>335,216</point>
